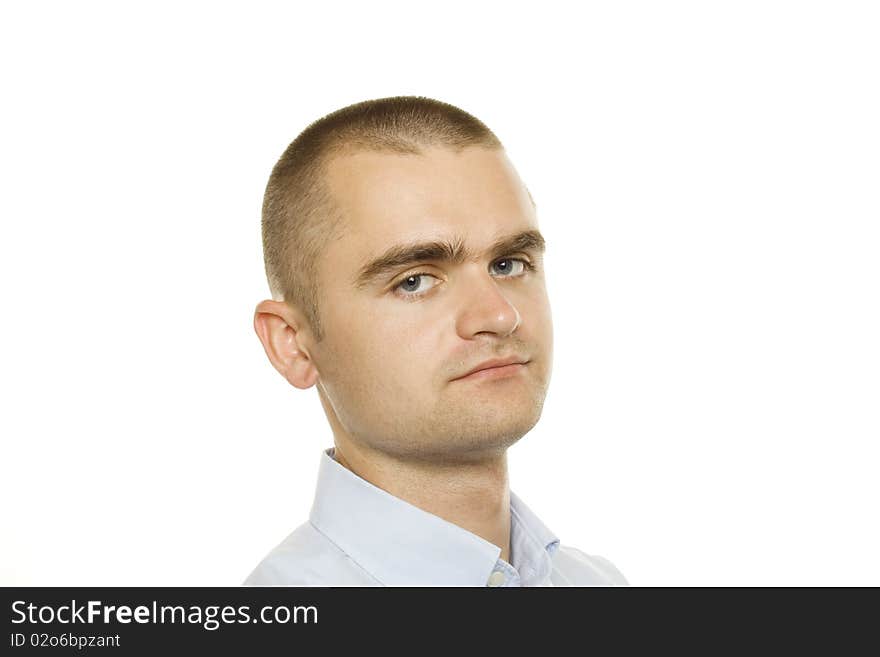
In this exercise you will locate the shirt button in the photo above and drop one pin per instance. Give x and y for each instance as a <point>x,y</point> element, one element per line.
<point>496,578</point>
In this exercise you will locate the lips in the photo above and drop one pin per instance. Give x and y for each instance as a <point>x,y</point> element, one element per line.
<point>495,362</point>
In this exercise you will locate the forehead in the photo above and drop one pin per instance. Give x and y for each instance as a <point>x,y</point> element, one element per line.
<point>387,198</point>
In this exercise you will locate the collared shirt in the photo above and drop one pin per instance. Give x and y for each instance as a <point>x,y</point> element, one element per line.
<point>361,535</point>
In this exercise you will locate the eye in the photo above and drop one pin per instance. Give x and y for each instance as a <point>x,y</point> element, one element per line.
<point>509,265</point>
<point>410,284</point>
<point>410,287</point>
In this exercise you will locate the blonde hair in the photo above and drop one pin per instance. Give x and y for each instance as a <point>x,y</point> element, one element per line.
<point>299,216</point>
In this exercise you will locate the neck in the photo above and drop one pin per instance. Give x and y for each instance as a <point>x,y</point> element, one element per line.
<point>474,495</point>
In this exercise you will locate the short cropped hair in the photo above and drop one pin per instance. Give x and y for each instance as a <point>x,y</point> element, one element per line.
<point>299,216</point>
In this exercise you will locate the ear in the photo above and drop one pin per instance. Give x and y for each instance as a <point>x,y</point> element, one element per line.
<point>279,331</point>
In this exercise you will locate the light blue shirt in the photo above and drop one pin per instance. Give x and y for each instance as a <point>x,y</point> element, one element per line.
<point>361,535</point>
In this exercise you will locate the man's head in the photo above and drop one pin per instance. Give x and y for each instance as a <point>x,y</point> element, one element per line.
<point>403,251</point>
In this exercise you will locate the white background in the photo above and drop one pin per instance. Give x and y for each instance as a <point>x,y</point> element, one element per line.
<point>707,178</point>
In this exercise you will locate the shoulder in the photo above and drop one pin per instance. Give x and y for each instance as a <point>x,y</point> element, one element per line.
<point>308,558</point>
<point>573,567</point>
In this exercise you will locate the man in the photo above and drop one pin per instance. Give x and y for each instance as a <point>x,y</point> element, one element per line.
<point>405,264</point>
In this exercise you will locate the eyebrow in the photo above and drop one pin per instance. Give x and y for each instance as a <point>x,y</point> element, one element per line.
<point>453,251</point>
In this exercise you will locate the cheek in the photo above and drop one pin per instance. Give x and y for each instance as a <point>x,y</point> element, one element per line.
<point>409,350</point>
<point>535,311</point>
<point>378,349</point>
<point>543,315</point>
<point>403,344</point>
<point>547,324</point>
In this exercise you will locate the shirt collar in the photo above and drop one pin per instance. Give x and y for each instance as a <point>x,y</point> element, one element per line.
<point>531,544</point>
<point>402,545</point>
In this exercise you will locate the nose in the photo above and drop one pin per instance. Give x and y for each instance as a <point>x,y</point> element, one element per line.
<point>484,308</point>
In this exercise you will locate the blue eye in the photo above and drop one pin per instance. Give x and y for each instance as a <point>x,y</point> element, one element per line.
<point>411,280</point>
<point>512,261</point>
<point>409,286</point>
